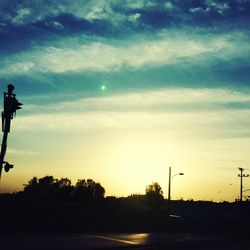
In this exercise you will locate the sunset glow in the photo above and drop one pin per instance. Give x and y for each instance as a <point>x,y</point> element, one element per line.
<point>116,92</point>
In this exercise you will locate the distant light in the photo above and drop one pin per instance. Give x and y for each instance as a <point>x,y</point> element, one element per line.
<point>103,87</point>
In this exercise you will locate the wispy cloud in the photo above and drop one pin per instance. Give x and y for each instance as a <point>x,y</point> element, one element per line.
<point>22,14</point>
<point>169,99</point>
<point>110,56</point>
<point>23,152</point>
<point>110,9</point>
<point>200,112</point>
<point>192,125</point>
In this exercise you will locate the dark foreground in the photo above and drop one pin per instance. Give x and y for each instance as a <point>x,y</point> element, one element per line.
<point>122,215</point>
<point>115,223</point>
<point>149,241</point>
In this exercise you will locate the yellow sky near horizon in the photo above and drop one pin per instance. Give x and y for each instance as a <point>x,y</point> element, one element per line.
<point>128,147</point>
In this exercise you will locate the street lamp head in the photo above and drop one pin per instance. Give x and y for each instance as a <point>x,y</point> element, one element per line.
<point>181,173</point>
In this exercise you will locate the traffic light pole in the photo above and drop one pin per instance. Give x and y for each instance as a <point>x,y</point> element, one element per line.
<point>11,105</point>
<point>3,150</point>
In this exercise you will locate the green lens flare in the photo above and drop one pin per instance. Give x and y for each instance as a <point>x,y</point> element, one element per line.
<point>103,87</point>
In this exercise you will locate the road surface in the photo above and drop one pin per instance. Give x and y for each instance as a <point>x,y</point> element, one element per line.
<point>154,241</point>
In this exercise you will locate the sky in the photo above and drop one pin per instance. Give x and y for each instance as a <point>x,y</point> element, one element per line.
<point>118,91</point>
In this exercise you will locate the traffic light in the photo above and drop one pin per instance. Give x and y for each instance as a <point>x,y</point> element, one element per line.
<point>15,105</point>
<point>8,166</point>
<point>11,105</point>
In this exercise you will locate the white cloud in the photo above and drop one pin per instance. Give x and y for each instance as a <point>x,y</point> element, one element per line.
<point>23,152</point>
<point>198,9</point>
<point>176,111</point>
<point>134,18</point>
<point>154,100</point>
<point>169,5</point>
<point>139,4</point>
<point>220,7</point>
<point>97,12</point>
<point>22,15</point>
<point>104,56</point>
<point>22,67</point>
<point>58,25</point>
<point>200,124</point>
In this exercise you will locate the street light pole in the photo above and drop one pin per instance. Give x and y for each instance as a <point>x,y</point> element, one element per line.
<point>169,187</point>
<point>169,182</point>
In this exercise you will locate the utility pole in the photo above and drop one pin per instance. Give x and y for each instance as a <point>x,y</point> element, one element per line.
<point>241,175</point>
<point>11,105</point>
<point>169,184</point>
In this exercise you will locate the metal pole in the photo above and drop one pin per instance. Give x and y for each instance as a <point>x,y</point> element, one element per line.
<point>7,115</point>
<point>3,151</point>
<point>6,128</point>
<point>241,185</point>
<point>169,184</point>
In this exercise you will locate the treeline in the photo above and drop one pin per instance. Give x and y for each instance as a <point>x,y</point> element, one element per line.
<point>50,204</point>
<point>49,188</point>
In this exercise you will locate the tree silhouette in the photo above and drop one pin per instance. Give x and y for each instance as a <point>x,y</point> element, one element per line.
<point>42,189</point>
<point>88,190</point>
<point>50,189</point>
<point>64,189</point>
<point>31,189</point>
<point>154,194</point>
<point>99,192</point>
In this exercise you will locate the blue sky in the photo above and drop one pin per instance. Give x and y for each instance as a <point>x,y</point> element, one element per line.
<point>177,92</point>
